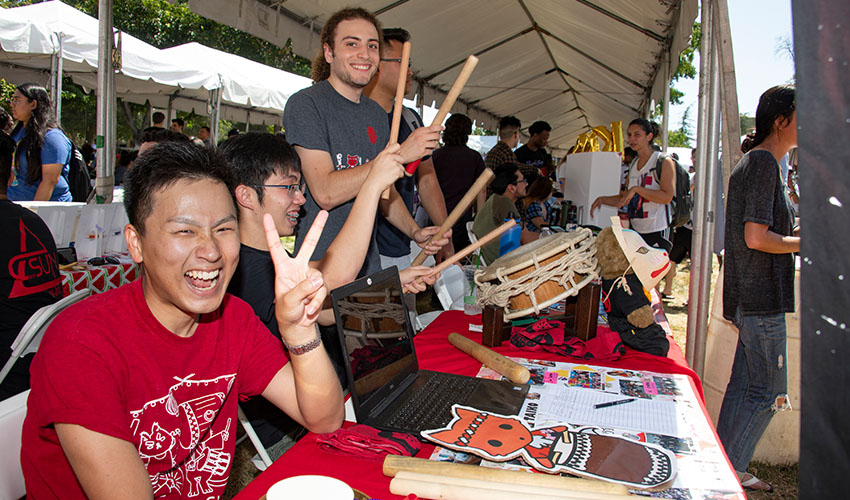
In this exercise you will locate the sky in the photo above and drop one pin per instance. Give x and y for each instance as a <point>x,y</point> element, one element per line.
<point>757,29</point>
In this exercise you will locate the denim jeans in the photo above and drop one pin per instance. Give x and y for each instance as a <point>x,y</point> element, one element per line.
<point>759,379</point>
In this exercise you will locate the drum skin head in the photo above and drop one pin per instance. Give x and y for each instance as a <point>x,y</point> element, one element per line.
<point>543,248</point>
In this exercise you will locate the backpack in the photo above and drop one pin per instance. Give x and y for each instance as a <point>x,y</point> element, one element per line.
<point>682,203</point>
<point>79,181</point>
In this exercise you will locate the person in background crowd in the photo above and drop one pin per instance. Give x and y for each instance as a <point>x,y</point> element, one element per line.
<point>232,132</point>
<point>532,158</point>
<point>647,197</point>
<point>6,123</point>
<point>126,158</point>
<point>341,134</point>
<point>177,125</point>
<point>536,207</point>
<point>157,122</point>
<point>509,186</point>
<point>135,390</point>
<point>43,152</point>
<point>29,274</point>
<point>758,281</point>
<point>628,157</point>
<point>204,135</point>
<point>393,242</point>
<point>153,137</point>
<point>502,153</point>
<point>458,166</point>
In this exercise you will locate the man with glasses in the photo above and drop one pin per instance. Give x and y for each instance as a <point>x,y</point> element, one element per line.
<point>268,181</point>
<point>508,186</point>
<point>393,243</point>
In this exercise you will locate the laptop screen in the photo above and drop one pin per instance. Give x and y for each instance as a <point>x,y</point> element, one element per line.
<point>377,338</point>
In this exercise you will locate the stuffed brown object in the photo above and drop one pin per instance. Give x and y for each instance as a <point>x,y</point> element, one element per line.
<point>626,302</point>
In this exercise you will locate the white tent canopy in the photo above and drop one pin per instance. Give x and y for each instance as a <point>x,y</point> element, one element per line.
<point>182,76</point>
<point>575,64</point>
<point>256,87</point>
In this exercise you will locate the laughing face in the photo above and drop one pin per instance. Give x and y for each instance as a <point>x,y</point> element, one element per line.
<point>354,57</point>
<point>190,249</point>
<point>283,203</point>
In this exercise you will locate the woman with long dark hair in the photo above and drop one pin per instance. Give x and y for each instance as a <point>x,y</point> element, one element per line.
<point>758,281</point>
<point>647,195</point>
<point>536,210</point>
<point>43,151</point>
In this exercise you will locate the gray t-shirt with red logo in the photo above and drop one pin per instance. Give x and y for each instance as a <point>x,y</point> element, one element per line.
<point>353,133</point>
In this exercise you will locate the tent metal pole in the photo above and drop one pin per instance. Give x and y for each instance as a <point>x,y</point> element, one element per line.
<point>695,347</point>
<point>731,122</point>
<point>703,237</point>
<point>665,121</point>
<point>56,78</point>
<point>106,108</point>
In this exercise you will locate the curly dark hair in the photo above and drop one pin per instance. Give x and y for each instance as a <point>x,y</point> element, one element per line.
<point>458,128</point>
<point>321,69</point>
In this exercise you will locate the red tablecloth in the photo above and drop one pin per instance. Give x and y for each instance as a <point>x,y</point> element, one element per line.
<point>99,278</point>
<point>434,353</point>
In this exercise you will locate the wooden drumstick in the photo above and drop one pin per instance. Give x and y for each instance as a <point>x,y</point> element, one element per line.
<point>515,372</point>
<point>399,100</point>
<point>432,486</point>
<point>393,464</point>
<point>480,183</point>
<point>487,238</point>
<point>454,92</point>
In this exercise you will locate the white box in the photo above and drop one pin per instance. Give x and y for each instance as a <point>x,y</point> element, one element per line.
<point>588,176</point>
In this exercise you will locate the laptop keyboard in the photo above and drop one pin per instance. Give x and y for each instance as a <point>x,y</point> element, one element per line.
<point>429,406</point>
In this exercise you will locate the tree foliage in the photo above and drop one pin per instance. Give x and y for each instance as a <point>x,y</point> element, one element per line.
<point>162,24</point>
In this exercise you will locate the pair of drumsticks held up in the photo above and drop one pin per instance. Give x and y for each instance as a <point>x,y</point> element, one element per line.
<point>483,180</point>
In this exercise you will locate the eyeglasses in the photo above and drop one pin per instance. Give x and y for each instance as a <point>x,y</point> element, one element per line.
<point>292,188</point>
<point>521,181</point>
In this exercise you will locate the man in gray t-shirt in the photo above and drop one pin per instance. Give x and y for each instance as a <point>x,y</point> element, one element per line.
<point>340,134</point>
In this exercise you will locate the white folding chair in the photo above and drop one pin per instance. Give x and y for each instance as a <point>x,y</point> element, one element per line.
<point>29,337</point>
<point>12,413</point>
<point>472,239</point>
<point>449,288</point>
<point>255,440</point>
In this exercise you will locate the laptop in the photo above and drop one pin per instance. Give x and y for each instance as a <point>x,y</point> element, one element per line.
<point>388,390</point>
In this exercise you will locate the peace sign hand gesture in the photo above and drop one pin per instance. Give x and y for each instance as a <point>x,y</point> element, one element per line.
<point>299,289</point>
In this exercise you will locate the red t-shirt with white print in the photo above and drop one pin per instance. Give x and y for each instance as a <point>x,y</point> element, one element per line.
<point>108,365</point>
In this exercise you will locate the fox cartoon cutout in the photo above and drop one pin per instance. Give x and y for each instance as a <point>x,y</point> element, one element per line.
<point>580,450</point>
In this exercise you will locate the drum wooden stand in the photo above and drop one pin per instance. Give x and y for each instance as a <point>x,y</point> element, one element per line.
<point>580,318</point>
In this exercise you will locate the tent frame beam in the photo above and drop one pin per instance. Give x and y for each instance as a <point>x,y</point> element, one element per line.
<point>651,34</point>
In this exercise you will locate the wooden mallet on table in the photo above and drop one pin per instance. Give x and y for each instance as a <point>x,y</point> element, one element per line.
<point>514,371</point>
<point>482,182</point>
<point>399,98</point>
<point>472,482</point>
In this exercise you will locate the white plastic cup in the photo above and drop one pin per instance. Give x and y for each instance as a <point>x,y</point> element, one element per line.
<point>310,488</point>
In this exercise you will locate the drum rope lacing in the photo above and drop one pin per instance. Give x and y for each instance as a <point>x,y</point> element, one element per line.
<point>365,312</point>
<point>579,259</point>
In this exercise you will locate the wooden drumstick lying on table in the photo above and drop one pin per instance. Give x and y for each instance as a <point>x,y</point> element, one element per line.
<point>399,98</point>
<point>480,183</point>
<point>418,469</point>
<point>487,238</point>
<point>515,372</point>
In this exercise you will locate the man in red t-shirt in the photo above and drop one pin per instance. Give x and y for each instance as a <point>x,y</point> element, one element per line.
<point>134,391</point>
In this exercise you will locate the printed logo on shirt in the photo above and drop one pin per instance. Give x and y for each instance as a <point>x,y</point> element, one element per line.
<point>33,266</point>
<point>182,438</point>
<point>373,136</point>
<point>351,161</point>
